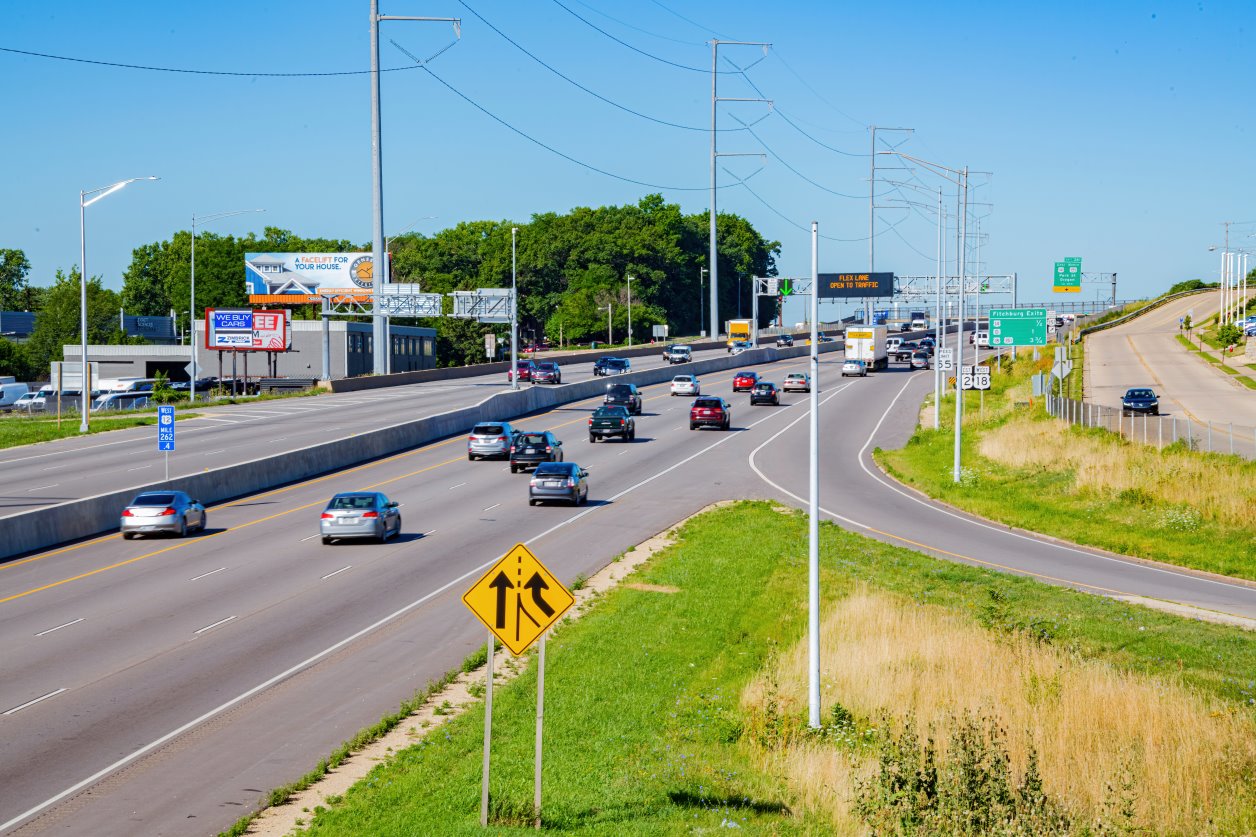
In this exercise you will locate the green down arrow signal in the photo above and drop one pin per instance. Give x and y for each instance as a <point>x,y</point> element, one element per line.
<point>785,287</point>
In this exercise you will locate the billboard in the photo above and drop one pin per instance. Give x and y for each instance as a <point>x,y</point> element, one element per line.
<point>246,330</point>
<point>307,277</point>
<point>846,285</point>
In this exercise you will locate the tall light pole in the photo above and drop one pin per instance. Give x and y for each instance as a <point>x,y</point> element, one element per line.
<point>813,500</point>
<point>629,310</point>
<point>608,322</point>
<point>701,302</point>
<point>85,395</point>
<point>203,219</point>
<point>514,312</point>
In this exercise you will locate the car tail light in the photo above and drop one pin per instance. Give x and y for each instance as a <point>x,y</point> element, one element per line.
<point>502,439</point>
<point>512,448</point>
<point>533,482</point>
<point>622,422</point>
<point>590,422</point>
<point>370,514</point>
<point>167,511</point>
<point>327,516</point>
<point>571,482</point>
<point>549,449</point>
<point>127,513</point>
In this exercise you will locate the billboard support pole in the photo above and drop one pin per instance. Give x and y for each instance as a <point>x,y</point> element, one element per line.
<point>326,339</point>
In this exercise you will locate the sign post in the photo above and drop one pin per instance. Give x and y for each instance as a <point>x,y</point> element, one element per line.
<point>165,433</point>
<point>518,600</point>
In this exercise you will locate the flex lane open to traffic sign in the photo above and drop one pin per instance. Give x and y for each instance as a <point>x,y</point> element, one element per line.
<point>165,428</point>
<point>518,599</point>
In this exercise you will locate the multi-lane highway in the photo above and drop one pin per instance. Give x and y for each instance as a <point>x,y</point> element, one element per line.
<point>164,686</point>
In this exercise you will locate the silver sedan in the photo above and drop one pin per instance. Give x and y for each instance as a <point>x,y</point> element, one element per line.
<point>163,512</point>
<point>360,514</point>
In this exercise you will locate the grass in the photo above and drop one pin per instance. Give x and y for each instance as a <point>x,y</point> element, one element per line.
<point>23,430</point>
<point>680,712</point>
<point>1087,486</point>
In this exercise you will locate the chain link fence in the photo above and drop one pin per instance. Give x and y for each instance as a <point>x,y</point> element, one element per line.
<point>1158,430</point>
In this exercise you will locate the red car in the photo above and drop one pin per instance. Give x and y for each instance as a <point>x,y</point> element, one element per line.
<point>525,368</point>
<point>745,380</point>
<point>710,411</point>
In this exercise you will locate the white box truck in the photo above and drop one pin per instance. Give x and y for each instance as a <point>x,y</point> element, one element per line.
<point>867,343</point>
<point>919,321</point>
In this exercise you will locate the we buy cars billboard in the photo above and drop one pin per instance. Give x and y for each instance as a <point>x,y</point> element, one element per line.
<point>247,330</point>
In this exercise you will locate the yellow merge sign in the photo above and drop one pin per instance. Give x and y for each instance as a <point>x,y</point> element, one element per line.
<point>518,599</point>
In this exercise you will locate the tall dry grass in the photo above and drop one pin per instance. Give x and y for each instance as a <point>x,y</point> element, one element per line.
<point>1219,489</point>
<point>1187,761</point>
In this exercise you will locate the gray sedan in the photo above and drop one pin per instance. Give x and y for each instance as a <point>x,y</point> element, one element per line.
<point>558,481</point>
<point>162,512</point>
<point>360,514</point>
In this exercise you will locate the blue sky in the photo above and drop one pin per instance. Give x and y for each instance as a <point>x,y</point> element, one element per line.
<point>1119,132</point>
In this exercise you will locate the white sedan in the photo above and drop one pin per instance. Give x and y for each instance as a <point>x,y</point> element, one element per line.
<point>686,385</point>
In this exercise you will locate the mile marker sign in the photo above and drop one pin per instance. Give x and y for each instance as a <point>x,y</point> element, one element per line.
<point>518,599</point>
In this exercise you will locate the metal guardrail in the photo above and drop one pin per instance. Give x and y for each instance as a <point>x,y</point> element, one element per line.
<point>1160,431</point>
<point>1149,307</point>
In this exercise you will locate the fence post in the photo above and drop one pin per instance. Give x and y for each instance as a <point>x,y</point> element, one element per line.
<point>1190,441</point>
<point>1174,430</point>
<point>1160,444</point>
<point>1145,417</point>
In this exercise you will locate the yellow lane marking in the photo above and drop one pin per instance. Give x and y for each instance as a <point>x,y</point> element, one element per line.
<point>1156,378</point>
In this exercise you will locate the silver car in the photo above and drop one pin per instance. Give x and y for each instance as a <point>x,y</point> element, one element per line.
<point>360,514</point>
<point>559,481</point>
<point>491,438</point>
<point>163,512</point>
<point>686,385</point>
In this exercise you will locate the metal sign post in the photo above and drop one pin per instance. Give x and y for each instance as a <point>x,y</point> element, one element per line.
<point>165,434</point>
<point>488,733</point>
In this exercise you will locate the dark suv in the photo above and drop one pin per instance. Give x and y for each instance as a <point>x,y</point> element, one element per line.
<point>611,366</point>
<point>531,449</point>
<point>1140,401</point>
<point>625,395</point>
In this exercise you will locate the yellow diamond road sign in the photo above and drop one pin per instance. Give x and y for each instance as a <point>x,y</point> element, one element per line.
<point>518,599</point>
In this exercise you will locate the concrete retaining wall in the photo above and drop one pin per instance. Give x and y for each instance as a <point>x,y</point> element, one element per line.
<point>42,528</point>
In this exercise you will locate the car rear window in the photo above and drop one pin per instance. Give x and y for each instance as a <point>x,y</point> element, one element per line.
<point>533,438</point>
<point>153,500</point>
<point>488,430</point>
<point>707,402</point>
<point>364,501</point>
<point>682,379</point>
<point>744,374</point>
<point>619,389</point>
<point>553,468</point>
<point>762,387</point>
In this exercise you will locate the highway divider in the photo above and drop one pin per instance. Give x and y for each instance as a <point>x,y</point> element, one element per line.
<point>46,527</point>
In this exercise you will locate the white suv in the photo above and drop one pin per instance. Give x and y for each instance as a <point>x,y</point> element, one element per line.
<point>679,354</point>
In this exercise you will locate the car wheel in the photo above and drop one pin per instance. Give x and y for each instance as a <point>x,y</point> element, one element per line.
<point>632,436</point>
<point>513,469</point>
<point>327,539</point>
<point>126,536</point>
<point>693,426</point>
<point>592,438</point>
<point>531,502</point>
<point>183,528</point>
<point>204,522</point>
<point>470,458</point>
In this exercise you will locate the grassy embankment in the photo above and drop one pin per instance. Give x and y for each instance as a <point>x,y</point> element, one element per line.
<point>678,705</point>
<point>23,430</point>
<point>1088,486</point>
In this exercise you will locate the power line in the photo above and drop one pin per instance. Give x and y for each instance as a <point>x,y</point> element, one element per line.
<point>577,84</point>
<point>628,25</point>
<point>815,92</point>
<point>782,161</point>
<point>790,122</point>
<point>794,223</point>
<point>637,50</point>
<point>693,23</point>
<point>195,72</point>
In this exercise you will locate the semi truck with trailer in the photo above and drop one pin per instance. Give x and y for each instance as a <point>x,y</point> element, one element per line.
<point>867,343</point>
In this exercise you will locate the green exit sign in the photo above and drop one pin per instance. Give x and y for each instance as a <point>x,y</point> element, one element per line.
<point>1068,276</point>
<point>1018,327</point>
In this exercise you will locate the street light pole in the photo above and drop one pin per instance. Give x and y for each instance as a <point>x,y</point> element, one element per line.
<point>963,275</point>
<point>608,322</point>
<point>514,312</point>
<point>701,301</point>
<point>813,500</point>
<point>85,395</point>
<point>204,219</point>
<point>629,310</point>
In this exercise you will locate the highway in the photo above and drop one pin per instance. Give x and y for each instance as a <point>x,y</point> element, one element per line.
<point>165,686</point>
<point>70,469</point>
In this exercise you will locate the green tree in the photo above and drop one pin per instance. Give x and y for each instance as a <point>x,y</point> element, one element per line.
<point>15,361</point>
<point>14,268</point>
<point>59,320</point>
<point>1230,335</point>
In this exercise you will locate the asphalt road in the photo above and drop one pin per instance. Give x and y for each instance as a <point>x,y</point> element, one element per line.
<point>69,469</point>
<point>165,686</point>
<point>1145,352</point>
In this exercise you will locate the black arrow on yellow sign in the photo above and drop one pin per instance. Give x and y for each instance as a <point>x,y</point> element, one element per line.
<point>502,584</point>
<point>536,584</point>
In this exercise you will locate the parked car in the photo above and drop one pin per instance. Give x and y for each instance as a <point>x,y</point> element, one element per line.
<point>784,341</point>
<point>686,385</point>
<point>531,449</point>
<point>524,369</point>
<point>745,380</point>
<point>710,411</point>
<point>559,481</point>
<point>26,402</point>
<point>10,392</point>
<point>854,367</point>
<point>612,420</point>
<point>359,514</point>
<point>547,372</point>
<point>626,395</point>
<point>765,392</point>
<point>920,360</point>
<point>121,401</point>
<point>490,439</point>
<point>611,366</point>
<point>797,382</point>
<point>162,512</point>
<point>679,354</point>
<point>1140,400</point>
<point>739,346</point>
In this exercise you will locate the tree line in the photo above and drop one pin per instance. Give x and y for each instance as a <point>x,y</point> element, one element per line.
<point>571,267</point>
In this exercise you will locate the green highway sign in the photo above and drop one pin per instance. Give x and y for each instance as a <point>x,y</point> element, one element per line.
<point>1068,276</point>
<point>1018,327</point>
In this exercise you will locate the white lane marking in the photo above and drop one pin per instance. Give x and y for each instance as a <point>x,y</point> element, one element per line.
<point>223,707</point>
<point>215,625</point>
<point>621,453</point>
<point>140,468</point>
<point>459,485</point>
<point>206,575</point>
<point>310,538</point>
<point>42,487</point>
<point>280,439</point>
<point>212,452</point>
<point>337,572</point>
<point>31,703</point>
<point>59,627</point>
<point>490,508</point>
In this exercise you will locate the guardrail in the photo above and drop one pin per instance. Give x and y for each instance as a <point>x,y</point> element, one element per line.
<point>41,528</point>
<point>1154,304</point>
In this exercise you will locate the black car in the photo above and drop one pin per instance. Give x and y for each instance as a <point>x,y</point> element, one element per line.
<point>1140,400</point>
<point>765,392</point>
<point>611,366</point>
<point>624,395</point>
<point>784,341</point>
<point>531,449</point>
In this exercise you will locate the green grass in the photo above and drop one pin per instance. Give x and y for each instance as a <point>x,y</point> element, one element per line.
<point>1229,370</point>
<point>23,430</point>
<point>642,721</point>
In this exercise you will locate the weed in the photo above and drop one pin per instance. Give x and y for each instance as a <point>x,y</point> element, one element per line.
<point>579,582</point>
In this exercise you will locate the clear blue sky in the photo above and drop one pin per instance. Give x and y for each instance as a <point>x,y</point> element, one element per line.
<point>1120,132</point>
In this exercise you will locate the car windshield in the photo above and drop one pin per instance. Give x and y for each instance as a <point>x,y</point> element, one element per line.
<point>533,438</point>
<point>1140,393</point>
<point>488,430</point>
<point>352,501</point>
<point>708,402</point>
<point>153,500</point>
<point>560,468</point>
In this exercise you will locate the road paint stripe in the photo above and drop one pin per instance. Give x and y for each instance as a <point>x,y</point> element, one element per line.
<point>425,534</point>
<point>140,468</point>
<point>42,487</point>
<point>212,452</point>
<point>459,485</point>
<point>206,575</point>
<point>59,627</point>
<point>31,703</point>
<point>490,508</point>
<point>310,538</point>
<point>337,572</point>
<point>215,625</point>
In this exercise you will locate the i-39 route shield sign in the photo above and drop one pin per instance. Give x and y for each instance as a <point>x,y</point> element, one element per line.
<point>518,599</point>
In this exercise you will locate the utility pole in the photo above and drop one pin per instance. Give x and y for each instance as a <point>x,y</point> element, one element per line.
<point>813,500</point>
<point>701,301</point>
<point>514,313</point>
<point>963,269</point>
<point>630,310</point>
<point>872,214</point>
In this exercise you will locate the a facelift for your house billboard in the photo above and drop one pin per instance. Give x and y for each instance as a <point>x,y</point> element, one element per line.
<point>305,275</point>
